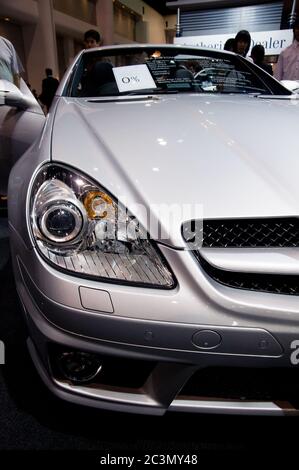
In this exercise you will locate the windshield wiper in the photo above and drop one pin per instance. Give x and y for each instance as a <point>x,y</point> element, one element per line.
<point>121,98</point>
<point>152,91</point>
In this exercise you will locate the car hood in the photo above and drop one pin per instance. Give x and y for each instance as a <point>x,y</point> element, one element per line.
<point>210,156</point>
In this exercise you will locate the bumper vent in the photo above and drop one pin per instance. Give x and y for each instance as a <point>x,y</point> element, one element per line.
<point>245,384</point>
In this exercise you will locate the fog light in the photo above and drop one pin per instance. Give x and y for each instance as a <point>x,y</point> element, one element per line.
<point>79,367</point>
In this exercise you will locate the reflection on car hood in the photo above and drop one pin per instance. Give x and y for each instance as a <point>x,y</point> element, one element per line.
<point>236,156</point>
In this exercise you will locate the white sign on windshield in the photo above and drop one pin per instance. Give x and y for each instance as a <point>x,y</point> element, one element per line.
<point>133,77</point>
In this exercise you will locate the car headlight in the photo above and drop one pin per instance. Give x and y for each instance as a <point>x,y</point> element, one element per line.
<point>80,228</point>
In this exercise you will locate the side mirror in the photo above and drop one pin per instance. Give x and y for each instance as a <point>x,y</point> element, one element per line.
<point>10,95</point>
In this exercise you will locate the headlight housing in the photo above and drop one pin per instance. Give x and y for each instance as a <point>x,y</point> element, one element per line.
<point>80,228</point>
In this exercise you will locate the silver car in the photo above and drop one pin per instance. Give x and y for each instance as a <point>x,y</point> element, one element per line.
<point>154,233</point>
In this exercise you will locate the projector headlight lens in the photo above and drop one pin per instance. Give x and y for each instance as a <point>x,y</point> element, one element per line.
<point>61,223</point>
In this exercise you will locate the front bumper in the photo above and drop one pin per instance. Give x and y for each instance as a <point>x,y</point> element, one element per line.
<point>158,326</point>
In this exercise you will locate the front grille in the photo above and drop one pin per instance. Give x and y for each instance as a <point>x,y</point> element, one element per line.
<point>248,233</point>
<point>251,233</point>
<point>271,283</point>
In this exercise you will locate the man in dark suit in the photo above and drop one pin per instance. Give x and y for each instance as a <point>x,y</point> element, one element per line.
<point>49,87</point>
<point>258,55</point>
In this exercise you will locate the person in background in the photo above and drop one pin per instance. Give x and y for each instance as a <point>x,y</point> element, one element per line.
<point>229,45</point>
<point>258,55</point>
<point>92,38</point>
<point>242,43</point>
<point>10,65</point>
<point>49,87</point>
<point>33,91</point>
<point>287,67</point>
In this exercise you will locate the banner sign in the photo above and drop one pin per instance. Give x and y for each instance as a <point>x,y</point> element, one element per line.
<point>273,41</point>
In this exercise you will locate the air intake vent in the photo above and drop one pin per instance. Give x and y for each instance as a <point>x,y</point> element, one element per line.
<point>251,233</point>
<point>248,233</point>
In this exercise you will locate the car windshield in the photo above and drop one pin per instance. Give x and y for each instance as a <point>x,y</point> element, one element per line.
<point>125,71</point>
